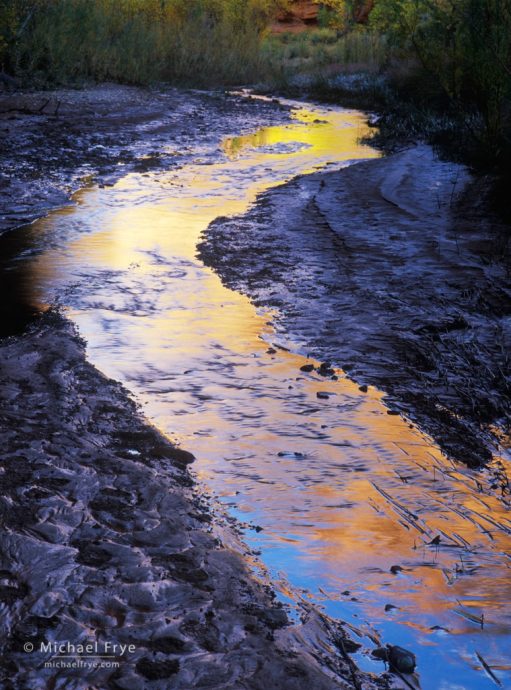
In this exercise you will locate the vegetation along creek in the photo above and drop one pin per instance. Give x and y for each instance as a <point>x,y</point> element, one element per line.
<point>346,504</point>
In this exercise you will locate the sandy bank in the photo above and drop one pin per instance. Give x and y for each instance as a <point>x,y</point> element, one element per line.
<point>394,270</point>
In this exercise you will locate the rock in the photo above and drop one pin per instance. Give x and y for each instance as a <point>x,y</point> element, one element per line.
<point>322,395</point>
<point>439,628</point>
<point>395,569</point>
<point>363,388</point>
<point>393,412</point>
<point>296,17</point>
<point>181,458</point>
<point>390,607</point>
<point>401,659</point>
<point>380,653</point>
<point>325,369</point>
<point>307,367</point>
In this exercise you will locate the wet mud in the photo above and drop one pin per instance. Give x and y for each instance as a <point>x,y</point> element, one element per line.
<point>107,540</point>
<point>396,271</point>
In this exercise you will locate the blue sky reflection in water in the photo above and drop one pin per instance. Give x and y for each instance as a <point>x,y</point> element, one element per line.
<point>349,498</point>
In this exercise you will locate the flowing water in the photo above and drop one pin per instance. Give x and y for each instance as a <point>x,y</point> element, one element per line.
<point>351,500</point>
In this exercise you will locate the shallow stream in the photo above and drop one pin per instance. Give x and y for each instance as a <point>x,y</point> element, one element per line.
<point>350,507</point>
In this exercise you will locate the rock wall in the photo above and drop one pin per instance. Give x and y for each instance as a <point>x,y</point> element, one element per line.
<point>301,15</point>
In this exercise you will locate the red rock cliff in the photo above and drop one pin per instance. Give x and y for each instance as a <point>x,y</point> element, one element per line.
<point>300,15</point>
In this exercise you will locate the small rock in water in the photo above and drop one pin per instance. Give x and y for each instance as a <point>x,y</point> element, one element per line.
<point>380,653</point>
<point>363,388</point>
<point>390,607</point>
<point>325,369</point>
<point>401,659</point>
<point>290,454</point>
<point>395,569</point>
<point>322,395</point>
<point>436,541</point>
<point>307,367</point>
<point>271,351</point>
<point>393,412</point>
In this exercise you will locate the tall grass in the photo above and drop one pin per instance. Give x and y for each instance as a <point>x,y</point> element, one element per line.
<point>202,42</point>
<point>322,51</point>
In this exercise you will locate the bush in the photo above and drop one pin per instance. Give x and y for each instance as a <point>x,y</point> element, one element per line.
<point>465,46</point>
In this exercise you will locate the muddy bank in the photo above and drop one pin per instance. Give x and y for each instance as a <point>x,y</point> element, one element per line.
<point>393,270</point>
<point>106,539</point>
<point>53,143</point>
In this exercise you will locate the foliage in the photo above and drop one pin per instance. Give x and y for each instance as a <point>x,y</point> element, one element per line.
<point>456,54</point>
<point>465,45</point>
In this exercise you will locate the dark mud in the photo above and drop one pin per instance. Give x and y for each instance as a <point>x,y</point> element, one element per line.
<point>106,540</point>
<point>394,270</point>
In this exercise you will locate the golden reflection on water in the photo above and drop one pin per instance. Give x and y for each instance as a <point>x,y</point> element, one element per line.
<point>369,491</point>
